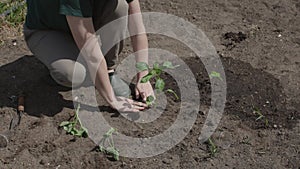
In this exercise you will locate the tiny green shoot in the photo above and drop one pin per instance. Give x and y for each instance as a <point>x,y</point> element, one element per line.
<point>150,100</point>
<point>212,147</point>
<point>260,116</point>
<point>174,93</point>
<point>110,148</point>
<point>215,74</point>
<point>72,126</point>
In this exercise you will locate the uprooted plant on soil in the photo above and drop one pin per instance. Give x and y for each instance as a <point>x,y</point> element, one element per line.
<point>109,148</point>
<point>75,126</point>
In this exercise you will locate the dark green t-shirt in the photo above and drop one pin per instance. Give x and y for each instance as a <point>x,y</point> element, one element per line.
<point>50,14</point>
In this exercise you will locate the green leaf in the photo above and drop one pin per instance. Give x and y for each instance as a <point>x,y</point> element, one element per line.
<point>114,152</point>
<point>101,148</point>
<point>169,65</point>
<point>110,150</point>
<point>80,133</point>
<point>141,66</point>
<point>70,128</point>
<point>156,71</point>
<point>255,109</point>
<point>215,74</point>
<point>174,93</point>
<point>146,78</point>
<point>150,98</point>
<point>160,84</point>
<point>260,117</point>
<point>267,122</point>
<point>84,129</point>
<point>110,132</point>
<point>116,155</point>
<point>156,66</point>
<point>149,101</point>
<point>66,128</point>
<point>64,123</point>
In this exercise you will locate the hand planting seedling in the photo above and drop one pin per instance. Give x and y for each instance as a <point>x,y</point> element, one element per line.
<point>155,72</point>
<point>110,148</point>
<point>72,126</point>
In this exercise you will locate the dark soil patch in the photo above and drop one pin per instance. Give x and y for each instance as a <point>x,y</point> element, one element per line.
<point>259,45</point>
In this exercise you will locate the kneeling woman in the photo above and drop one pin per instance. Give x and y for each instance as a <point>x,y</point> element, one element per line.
<point>57,30</point>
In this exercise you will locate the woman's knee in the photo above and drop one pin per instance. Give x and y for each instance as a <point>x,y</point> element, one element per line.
<point>68,72</point>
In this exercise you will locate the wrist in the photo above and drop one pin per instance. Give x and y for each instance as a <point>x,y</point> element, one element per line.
<point>108,96</point>
<point>113,103</point>
<point>140,75</point>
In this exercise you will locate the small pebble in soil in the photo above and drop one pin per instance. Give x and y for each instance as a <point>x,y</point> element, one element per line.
<point>14,42</point>
<point>166,161</point>
<point>123,164</point>
<point>3,141</point>
<point>42,162</point>
<point>262,134</point>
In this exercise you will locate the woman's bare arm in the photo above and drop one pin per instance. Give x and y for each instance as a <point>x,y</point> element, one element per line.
<point>139,42</point>
<point>84,35</point>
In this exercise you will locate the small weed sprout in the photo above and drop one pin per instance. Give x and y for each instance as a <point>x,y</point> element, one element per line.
<point>155,72</point>
<point>260,116</point>
<point>212,147</point>
<point>215,74</point>
<point>72,126</point>
<point>110,148</point>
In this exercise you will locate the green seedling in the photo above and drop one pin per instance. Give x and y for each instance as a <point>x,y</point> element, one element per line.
<point>155,73</point>
<point>172,92</point>
<point>260,116</point>
<point>110,148</point>
<point>215,74</point>
<point>150,100</point>
<point>72,126</point>
<point>212,147</point>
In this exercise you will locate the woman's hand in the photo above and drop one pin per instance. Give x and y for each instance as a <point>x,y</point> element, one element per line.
<point>125,105</point>
<point>139,42</point>
<point>143,89</point>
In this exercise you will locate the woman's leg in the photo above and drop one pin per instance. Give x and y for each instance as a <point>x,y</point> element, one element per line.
<point>111,11</point>
<point>58,51</point>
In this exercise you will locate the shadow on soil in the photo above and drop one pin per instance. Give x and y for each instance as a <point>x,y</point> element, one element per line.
<point>249,89</point>
<point>30,76</point>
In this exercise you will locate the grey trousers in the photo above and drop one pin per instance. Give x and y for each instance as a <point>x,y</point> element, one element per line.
<point>58,51</point>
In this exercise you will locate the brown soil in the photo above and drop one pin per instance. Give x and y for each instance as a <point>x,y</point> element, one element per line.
<point>258,42</point>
